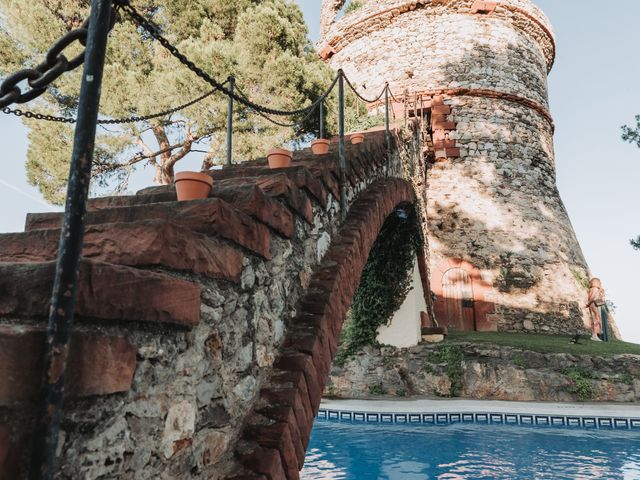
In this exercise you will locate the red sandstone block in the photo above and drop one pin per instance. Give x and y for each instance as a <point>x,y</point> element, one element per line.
<point>106,291</point>
<point>284,414</point>
<point>266,461</point>
<point>437,100</point>
<point>277,436</point>
<point>149,242</point>
<point>210,216</point>
<point>435,119</point>
<point>442,144</point>
<point>452,152</point>
<point>295,361</point>
<point>97,364</point>
<point>439,134</point>
<point>327,52</point>
<point>441,110</point>
<point>483,7</point>
<point>444,125</point>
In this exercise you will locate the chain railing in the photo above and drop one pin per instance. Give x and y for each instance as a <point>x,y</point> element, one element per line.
<point>93,35</point>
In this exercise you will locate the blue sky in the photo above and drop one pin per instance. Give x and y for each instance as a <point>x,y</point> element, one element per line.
<point>594,88</point>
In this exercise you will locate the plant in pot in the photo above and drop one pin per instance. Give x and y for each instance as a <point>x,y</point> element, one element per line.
<point>359,121</point>
<point>192,185</point>
<point>279,158</point>
<point>320,146</point>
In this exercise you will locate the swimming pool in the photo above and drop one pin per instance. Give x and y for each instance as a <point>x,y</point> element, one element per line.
<point>458,451</point>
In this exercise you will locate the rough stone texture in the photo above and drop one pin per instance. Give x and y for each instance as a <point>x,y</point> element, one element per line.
<point>491,196</point>
<point>200,376</point>
<point>488,373</point>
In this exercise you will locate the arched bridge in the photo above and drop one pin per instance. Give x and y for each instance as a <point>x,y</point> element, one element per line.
<point>205,330</point>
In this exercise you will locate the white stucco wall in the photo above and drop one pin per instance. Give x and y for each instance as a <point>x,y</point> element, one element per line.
<point>404,330</point>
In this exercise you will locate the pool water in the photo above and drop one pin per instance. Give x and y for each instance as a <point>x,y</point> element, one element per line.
<point>361,451</point>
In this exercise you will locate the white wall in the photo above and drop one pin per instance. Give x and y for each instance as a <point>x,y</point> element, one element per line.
<point>404,330</point>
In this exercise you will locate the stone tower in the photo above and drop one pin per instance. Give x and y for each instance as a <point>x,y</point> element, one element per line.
<point>503,253</point>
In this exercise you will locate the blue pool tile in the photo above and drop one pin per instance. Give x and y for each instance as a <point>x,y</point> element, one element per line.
<point>557,421</point>
<point>400,418</point>
<point>497,418</point>
<point>415,418</point>
<point>429,418</point>
<point>511,419</point>
<point>331,415</point>
<point>589,422</point>
<point>455,418</point>
<point>442,418</point>
<point>574,422</point>
<point>634,422</point>
<point>621,423</point>
<point>468,418</point>
<point>345,416</point>
<point>386,418</point>
<point>482,418</point>
<point>373,417</point>
<point>542,420</point>
<point>358,417</point>
<point>526,420</point>
<point>605,422</point>
<point>322,414</point>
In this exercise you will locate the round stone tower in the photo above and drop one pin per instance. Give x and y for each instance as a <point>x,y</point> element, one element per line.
<point>503,253</point>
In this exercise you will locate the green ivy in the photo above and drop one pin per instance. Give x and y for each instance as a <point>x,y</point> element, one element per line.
<point>384,284</point>
<point>452,356</point>
<point>520,361</point>
<point>352,7</point>
<point>377,389</point>
<point>582,385</point>
<point>625,378</point>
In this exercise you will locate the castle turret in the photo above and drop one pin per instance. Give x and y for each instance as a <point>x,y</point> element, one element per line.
<point>503,253</point>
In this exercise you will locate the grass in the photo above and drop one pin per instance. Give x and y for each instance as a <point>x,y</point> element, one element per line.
<point>546,343</point>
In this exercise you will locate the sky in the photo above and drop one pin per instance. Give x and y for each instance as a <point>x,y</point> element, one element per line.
<point>594,89</point>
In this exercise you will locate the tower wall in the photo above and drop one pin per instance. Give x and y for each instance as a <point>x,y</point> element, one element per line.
<point>493,204</point>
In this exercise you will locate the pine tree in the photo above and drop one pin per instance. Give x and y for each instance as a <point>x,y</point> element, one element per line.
<point>632,135</point>
<point>263,43</point>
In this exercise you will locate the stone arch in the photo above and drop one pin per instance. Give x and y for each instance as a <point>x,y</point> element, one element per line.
<point>277,433</point>
<point>481,289</point>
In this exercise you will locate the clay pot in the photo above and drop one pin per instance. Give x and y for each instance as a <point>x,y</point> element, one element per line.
<point>279,158</point>
<point>192,185</point>
<point>320,146</point>
<point>357,138</point>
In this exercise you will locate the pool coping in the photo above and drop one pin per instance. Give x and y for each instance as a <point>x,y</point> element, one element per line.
<point>448,411</point>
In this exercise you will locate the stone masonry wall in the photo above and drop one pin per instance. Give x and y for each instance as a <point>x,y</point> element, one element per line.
<point>182,309</point>
<point>492,199</point>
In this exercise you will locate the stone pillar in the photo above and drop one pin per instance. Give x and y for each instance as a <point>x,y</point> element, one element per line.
<point>492,198</point>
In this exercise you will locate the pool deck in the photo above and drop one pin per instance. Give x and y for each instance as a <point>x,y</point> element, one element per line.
<point>484,406</point>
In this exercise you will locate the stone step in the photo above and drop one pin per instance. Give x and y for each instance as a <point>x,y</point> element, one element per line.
<point>245,197</point>
<point>211,216</point>
<point>145,243</point>
<point>106,292</point>
<point>97,364</point>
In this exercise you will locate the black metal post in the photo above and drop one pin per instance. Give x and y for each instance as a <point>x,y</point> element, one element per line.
<point>232,83</point>
<point>386,114</point>
<point>321,132</point>
<point>341,158</point>
<point>45,438</point>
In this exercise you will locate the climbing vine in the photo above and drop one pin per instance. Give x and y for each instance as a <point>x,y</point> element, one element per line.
<point>385,282</point>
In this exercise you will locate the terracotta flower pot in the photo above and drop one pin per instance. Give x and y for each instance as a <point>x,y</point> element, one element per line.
<point>279,158</point>
<point>320,146</point>
<point>357,138</point>
<point>192,185</point>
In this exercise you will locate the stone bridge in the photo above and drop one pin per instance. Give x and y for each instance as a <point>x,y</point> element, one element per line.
<point>205,330</point>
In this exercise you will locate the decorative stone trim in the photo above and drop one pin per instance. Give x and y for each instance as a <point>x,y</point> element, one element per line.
<point>484,418</point>
<point>482,307</point>
<point>482,7</point>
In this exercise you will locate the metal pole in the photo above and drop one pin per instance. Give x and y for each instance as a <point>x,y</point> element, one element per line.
<point>386,114</point>
<point>45,438</point>
<point>341,157</point>
<point>321,133</point>
<point>232,83</point>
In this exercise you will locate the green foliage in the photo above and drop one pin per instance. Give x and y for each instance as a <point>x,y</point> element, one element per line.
<point>263,43</point>
<point>401,392</point>
<point>377,389</point>
<point>520,361</point>
<point>384,284</point>
<point>353,6</point>
<point>636,243</point>
<point>580,277</point>
<point>625,378</point>
<point>582,385</point>
<point>451,356</point>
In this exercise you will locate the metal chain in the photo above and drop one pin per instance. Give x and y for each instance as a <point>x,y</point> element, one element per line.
<point>153,30</point>
<point>115,121</point>
<point>40,77</point>
<point>366,100</point>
